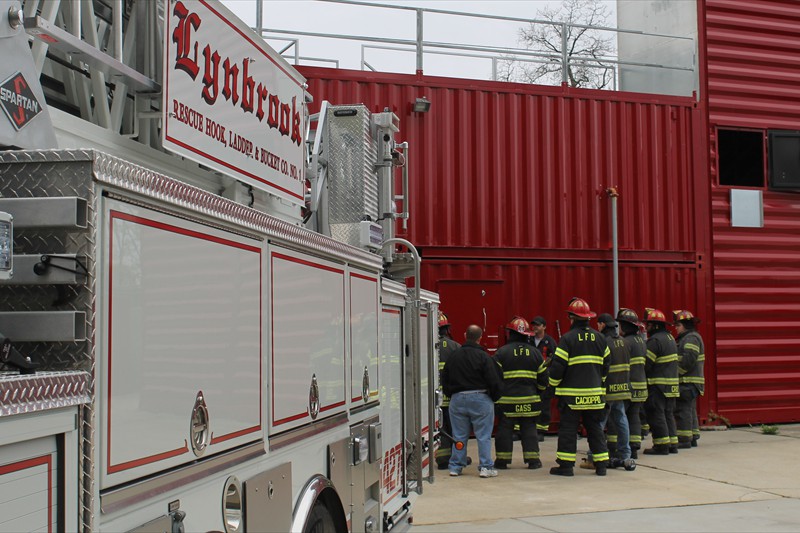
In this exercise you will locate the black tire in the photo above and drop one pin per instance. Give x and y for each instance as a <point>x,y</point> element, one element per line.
<point>320,520</point>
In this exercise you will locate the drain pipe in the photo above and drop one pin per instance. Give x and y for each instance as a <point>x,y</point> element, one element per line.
<point>613,194</point>
<point>417,363</point>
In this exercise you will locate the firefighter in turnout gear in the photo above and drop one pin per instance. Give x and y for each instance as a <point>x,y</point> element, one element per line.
<point>691,359</point>
<point>524,376</point>
<point>618,395</point>
<point>661,367</point>
<point>446,346</point>
<point>629,327</point>
<point>577,377</point>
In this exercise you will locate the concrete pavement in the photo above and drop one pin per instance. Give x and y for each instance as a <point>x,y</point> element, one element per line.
<point>737,480</point>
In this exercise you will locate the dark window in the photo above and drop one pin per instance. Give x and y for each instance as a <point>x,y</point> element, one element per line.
<point>784,159</point>
<point>741,158</point>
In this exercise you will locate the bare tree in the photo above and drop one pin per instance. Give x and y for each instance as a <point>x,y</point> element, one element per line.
<point>586,47</point>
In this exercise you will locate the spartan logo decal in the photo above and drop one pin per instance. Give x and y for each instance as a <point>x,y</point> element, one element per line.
<point>18,101</point>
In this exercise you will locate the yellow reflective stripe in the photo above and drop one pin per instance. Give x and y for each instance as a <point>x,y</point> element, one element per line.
<point>684,432</point>
<point>622,367</point>
<point>553,382</point>
<point>580,392</point>
<point>651,355</point>
<point>607,352</point>
<point>511,400</point>
<point>701,357</point>
<point>591,407</point>
<point>682,370</point>
<point>529,414</point>
<point>510,374</point>
<point>661,440</point>
<point>690,346</point>
<point>693,379</point>
<point>637,360</point>
<point>530,455</point>
<point>597,457</point>
<point>667,358</point>
<point>562,354</point>
<point>662,381</point>
<point>583,359</point>
<point>441,365</point>
<point>564,456</point>
<point>503,455</point>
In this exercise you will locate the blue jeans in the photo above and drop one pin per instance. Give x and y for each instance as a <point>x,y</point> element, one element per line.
<point>475,410</point>
<point>619,420</point>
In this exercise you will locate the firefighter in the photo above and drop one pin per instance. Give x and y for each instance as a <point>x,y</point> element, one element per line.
<point>691,359</point>
<point>629,327</point>
<point>577,378</point>
<point>547,346</point>
<point>661,368</point>
<point>618,395</point>
<point>446,346</point>
<point>524,376</point>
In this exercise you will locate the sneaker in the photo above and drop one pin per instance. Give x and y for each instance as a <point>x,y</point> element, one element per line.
<point>488,472</point>
<point>453,473</point>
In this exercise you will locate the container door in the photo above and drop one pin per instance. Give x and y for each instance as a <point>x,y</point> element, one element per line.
<point>481,302</point>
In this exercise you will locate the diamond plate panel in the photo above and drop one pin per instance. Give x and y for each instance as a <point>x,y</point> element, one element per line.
<point>47,174</point>
<point>352,183</point>
<point>38,392</point>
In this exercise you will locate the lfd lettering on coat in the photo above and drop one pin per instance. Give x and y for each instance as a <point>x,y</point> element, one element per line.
<point>586,336</point>
<point>587,400</point>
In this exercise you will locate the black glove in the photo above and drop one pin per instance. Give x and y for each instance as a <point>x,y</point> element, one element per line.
<point>548,393</point>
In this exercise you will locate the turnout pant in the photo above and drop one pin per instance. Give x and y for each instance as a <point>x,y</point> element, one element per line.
<point>568,434</point>
<point>504,438</point>
<point>635,424</point>
<point>445,442</point>
<point>686,414</point>
<point>672,428</point>
<point>658,410</point>
<point>543,422</point>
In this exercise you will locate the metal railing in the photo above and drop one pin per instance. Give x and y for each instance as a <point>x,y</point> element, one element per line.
<point>421,47</point>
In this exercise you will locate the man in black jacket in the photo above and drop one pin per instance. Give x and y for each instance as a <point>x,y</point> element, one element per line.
<point>471,381</point>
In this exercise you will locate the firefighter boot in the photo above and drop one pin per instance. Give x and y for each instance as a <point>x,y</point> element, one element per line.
<point>673,448</point>
<point>534,464</point>
<point>658,449</point>
<point>634,452</point>
<point>684,445</point>
<point>694,441</point>
<point>563,469</point>
<point>600,468</point>
<point>500,464</point>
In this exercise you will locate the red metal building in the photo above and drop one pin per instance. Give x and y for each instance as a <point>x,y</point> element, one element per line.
<point>509,212</point>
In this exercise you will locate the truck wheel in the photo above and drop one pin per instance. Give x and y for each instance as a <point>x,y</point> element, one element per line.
<point>320,520</point>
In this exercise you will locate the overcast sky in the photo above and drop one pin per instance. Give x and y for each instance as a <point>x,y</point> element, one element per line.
<point>324,17</point>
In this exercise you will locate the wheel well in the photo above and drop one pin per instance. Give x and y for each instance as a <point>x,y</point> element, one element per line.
<point>331,500</point>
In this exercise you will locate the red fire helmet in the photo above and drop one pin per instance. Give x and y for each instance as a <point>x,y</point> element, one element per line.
<point>579,307</point>
<point>443,320</point>
<point>654,315</point>
<point>628,315</point>
<point>682,314</point>
<point>520,325</point>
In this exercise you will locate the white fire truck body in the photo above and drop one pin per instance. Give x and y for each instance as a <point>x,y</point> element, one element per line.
<point>202,361</point>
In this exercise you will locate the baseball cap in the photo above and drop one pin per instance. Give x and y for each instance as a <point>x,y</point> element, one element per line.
<point>539,321</point>
<point>607,319</point>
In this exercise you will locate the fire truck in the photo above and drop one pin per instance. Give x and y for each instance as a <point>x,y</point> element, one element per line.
<point>208,322</point>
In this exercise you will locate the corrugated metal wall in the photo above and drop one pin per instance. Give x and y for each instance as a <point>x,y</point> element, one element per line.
<point>752,75</point>
<point>500,166</point>
<point>505,183</point>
